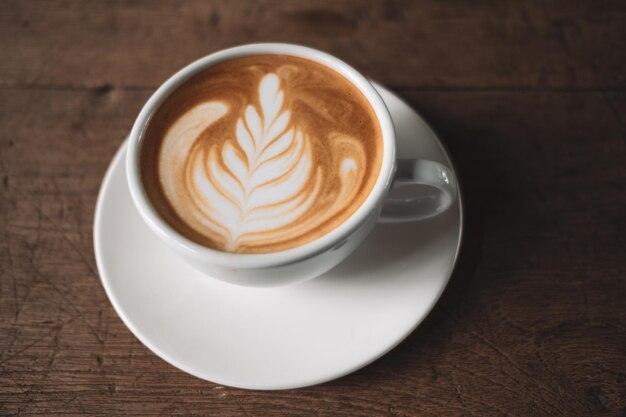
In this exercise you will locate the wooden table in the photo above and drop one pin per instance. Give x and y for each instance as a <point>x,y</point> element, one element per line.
<point>530,99</point>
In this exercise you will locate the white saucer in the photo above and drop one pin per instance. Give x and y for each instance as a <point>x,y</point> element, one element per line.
<point>284,337</point>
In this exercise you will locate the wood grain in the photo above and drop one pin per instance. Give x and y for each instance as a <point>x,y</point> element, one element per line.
<point>425,44</point>
<point>530,99</point>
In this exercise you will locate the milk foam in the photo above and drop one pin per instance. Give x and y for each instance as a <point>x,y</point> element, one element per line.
<point>260,183</point>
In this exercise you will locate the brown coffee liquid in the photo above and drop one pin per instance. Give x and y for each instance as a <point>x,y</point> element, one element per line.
<point>261,154</point>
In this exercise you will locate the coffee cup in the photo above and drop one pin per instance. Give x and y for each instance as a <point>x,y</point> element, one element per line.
<point>291,250</point>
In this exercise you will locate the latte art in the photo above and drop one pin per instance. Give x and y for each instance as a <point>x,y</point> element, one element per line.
<point>261,176</point>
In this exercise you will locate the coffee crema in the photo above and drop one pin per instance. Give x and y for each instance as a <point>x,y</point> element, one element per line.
<point>260,154</point>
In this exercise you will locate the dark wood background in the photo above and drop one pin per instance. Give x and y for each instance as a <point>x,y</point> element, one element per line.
<point>529,97</point>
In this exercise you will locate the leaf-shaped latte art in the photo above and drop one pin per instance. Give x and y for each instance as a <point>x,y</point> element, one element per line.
<point>259,182</point>
<point>261,185</point>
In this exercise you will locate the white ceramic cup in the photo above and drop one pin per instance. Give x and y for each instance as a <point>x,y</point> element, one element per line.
<point>318,256</point>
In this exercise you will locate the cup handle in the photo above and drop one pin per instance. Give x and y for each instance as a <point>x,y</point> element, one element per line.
<point>419,204</point>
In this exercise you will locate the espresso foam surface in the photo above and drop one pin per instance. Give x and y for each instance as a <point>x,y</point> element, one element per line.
<point>261,154</point>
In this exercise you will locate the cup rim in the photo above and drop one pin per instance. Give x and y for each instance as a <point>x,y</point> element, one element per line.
<point>244,261</point>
